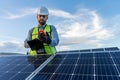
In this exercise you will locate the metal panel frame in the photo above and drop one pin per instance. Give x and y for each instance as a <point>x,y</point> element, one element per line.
<point>40,67</point>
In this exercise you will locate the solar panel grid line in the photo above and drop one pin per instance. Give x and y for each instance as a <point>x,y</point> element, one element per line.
<point>7,69</point>
<point>115,54</point>
<point>66,64</point>
<point>14,76</point>
<point>17,73</point>
<point>102,55</point>
<point>39,68</point>
<point>84,68</point>
<point>74,74</point>
<point>84,76</point>
<point>95,52</point>
<point>99,52</point>
<point>21,67</point>
<point>117,61</point>
<point>114,64</point>
<point>94,65</point>
<point>104,49</point>
<point>104,60</point>
<point>7,76</point>
<point>108,68</point>
<point>90,50</point>
<point>75,67</point>
<point>57,68</point>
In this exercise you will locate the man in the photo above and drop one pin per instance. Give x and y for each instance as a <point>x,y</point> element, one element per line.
<point>43,38</point>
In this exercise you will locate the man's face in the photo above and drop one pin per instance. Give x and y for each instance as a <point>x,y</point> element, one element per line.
<point>42,19</point>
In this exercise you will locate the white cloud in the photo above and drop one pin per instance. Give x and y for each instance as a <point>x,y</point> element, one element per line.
<point>63,48</point>
<point>21,13</point>
<point>12,46</point>
<point>30,11</point>
<point>115,23</point>
<point>60,13</point>
<point>85,26</point>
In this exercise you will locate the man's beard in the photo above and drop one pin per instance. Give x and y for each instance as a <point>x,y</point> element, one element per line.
<point>42,22</point>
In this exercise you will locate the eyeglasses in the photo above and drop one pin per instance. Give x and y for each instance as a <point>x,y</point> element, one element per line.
<point>42,16</point>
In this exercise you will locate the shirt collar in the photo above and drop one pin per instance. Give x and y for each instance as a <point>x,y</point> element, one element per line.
<point>41,26</point>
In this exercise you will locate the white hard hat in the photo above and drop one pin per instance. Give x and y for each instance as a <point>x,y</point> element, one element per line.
<point>42,11</point>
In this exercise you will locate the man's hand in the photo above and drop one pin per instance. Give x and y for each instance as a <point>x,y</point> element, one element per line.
<point>44,37</point>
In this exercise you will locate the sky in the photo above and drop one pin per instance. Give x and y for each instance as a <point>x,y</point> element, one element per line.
<point>81,24</point>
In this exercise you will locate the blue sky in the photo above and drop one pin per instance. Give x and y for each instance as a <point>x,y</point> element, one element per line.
<point>81,24</point>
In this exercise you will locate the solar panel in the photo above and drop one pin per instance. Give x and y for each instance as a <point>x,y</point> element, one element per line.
<point>87,64</point>
<point>19,67</point>
<point>92,50</point>
<point>82,66</point>
<point>106,49</point>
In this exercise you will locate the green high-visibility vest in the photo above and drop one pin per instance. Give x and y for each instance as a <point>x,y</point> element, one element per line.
<point>47,48</point>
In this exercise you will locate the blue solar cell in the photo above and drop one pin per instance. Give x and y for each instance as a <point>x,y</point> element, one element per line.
<point>65,69</point>
<point>111,49</point>
<point>20,76</point>
<point>1,73</point>
<point>85,61</point>
<point>118,67</point>
<point>74,51</point>
<point>63,52</point>
<point>5,60</point>
<point>7,67</point>
<point>49,69</point>
<point>73,56</point>
<point>112,77</point>
<point>115,54</point>
<point>42,77</point>
<point>30,68</point>
<point>17,68</point>
<point>116,60</point>
<point>84,70</point>
<point>83,77</point>
<point>55,61</point>
<point>103,61</point>
<point>60,56</point>
<point>86,50</point>
<point>86,55</point>
<point>99,49</point>
<point>105,70</point>
<point>102,55</point>
<point>7,75</point>
<point>60,77</point>
<point>69,61</point>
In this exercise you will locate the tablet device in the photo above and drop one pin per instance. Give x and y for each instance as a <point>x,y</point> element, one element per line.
<point>35,44</point>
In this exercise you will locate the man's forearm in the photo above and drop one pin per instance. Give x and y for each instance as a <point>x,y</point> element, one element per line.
<point>54,42</point>
<point>26,44</point>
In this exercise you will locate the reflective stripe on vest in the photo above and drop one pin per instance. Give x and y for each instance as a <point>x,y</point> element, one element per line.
<point>48,49</point>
